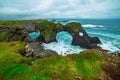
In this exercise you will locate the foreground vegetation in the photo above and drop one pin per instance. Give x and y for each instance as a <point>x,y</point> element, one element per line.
<point>89,65</point>
<point>13,66</point>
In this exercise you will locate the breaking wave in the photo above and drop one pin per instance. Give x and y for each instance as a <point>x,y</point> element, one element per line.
<point>61,48</point>
<point>108,45</point>
<point>63,45</point>
<point>91,26</point>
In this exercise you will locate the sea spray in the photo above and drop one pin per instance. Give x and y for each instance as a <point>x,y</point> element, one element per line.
<point>63,45</point>
<point>108,45</point>
<point>91,26</point>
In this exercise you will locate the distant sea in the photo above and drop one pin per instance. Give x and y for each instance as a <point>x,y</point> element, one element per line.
<point>107,30</point>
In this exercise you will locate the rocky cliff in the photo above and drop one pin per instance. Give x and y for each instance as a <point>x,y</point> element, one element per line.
<point>19,31</point>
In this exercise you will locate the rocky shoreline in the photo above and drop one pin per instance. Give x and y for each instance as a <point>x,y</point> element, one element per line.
<point>19,31</point>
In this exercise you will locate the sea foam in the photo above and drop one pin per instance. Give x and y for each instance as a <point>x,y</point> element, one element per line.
<point>63,45</point>
<point>91,26</point>
<point>61,48</point>
<point>108,45</point>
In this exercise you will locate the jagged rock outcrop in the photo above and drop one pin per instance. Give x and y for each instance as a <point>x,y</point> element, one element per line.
<point>19,31</point>
<point>84,41</point>
<point>35,50</point>
<point>49,30</point>
<point>11,34</point>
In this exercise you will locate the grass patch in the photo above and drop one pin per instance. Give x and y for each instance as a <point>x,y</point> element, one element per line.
<point>13,66</point>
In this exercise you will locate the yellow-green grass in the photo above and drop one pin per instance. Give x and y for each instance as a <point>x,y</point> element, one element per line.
<point>13,66</point>
<point>16,23</point>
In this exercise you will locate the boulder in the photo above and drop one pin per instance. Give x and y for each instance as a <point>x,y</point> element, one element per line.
<point>35,50</point>
<point>45,53</point>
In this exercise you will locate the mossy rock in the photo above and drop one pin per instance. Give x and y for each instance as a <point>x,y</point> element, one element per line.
<point>49,29</point>
<point>4,36</point>
<point>44,24</point>
<point>18,35</point>
<point>73,27</point>
<point>17,23</point>
<point>59,27</point>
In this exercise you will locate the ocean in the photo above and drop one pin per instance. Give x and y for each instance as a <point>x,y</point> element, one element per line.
<point>107,30</point>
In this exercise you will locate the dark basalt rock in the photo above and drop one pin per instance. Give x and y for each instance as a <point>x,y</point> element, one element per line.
<point>48,31</point>
<point>84,41</point>
<point>81,41</point>
<point>94,40</point>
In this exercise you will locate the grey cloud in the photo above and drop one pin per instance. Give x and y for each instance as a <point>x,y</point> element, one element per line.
<point>22,9</point>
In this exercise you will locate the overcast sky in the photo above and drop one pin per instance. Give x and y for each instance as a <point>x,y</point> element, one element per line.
<point>29,9</point>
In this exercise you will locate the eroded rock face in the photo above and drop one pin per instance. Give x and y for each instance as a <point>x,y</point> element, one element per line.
<point>35,50</point>
<point>84,41</point>
<point>11,34</point>
<point>48,31</point>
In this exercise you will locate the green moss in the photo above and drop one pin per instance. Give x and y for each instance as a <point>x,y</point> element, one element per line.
<point>4,36</point>
<point>47,28</point>
<point>16,23</point>
<point>15,71</point>
<point>59,27</point>
<point>70,66</point>
<point>41,77</point>
<point>14,66</point>
<point>46,33</point>
<point>74,26</point>
<point>18,36</point>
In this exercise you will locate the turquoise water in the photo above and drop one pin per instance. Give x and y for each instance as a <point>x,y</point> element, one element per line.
<point>34,35</point>
<point>107,30</point>
<point>64,37</point>
<point>63,45</point>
